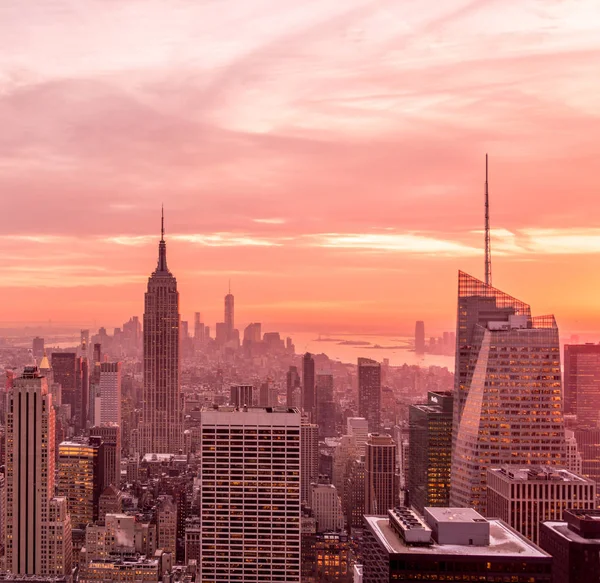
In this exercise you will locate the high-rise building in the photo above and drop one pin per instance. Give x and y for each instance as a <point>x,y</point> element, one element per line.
<point>110,393</point>
<point>326,506</point>
<point>524,496</point>
<point>250,495</point>
<point>507,398</point>
<point>80,479</point>
<point>198,330</point>
<point>292,383</point>
<point>325,405</point>
<point>162,428</point>
<point>166,527</point>
<point>326,556</point>
<point>574,542</point>
<point>381,480</point>
<point>241,395</point>
<point>420,337</point>
<point>309,460</point>
<point>369,392</point>
<point>308,384</point>
<point>450,544</point>
<point>582,384</point>
<point>38,347</point>
<point>110,434</point>
<point>68,372</point>
<point>229,315</point>
<point>34,518</point>
<point>358,428</point>
<point>354,494</point>
<point>430,451</point>
<point>588,446</point>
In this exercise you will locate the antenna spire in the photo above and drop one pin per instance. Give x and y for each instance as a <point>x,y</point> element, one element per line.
<point>488,251</point>
<point>162,222</point>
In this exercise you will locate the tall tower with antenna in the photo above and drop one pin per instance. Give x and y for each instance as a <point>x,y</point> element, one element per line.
<point>488,250</point>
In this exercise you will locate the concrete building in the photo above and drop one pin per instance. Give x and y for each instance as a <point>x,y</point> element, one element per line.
<point>369,392</point>
<point>166,525</point>
<point>325,417</point>
<point>326,557</point>
<point>574,542</point>
<point>507,398</point>
<point>524,496</point>
<point>449,544</point>
<point>38,529</point>
<point>430,451</point>
<point>110,394</point>
<point>241,395</point>
<point>308,386</point>
<point>381,481</point>
<point>354,495</point>
<point>250,495</point>
<point>162,426</point>
<point>110,502</point>
<point>111,441</point>
<point>309,459</point>
<point>358,428</point>
<point>327,507</point>
<point>582,384</point>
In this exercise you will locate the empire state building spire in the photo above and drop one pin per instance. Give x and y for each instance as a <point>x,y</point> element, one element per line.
<point>162,248</point>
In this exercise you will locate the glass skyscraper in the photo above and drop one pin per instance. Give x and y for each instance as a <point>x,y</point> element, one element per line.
<point>508,403</point>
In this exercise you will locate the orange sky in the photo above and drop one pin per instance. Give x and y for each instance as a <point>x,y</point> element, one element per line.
<point>327,156</point>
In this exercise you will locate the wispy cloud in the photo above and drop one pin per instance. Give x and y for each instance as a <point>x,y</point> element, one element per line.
<point>273,221</point>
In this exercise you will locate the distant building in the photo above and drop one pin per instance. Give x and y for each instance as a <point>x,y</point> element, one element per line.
<point>110,435</point>
<point>292,383</point>
<point>582,384</point>
<point>166,525</point>
<point>308,385</point>
<point>38,347</point>
<point>67,368</point>
<point>450,544</point>
<point>309,458</point>
<point>325,417</point>
<point>574,542</point>
<point>430,451</point>
<point>369,392</point>
<point>358,429</point>
<point>381,479</point>
<point>241,395</point>
<point>326,506</point>
<point>229,315</point>
<point>420,337</point>
<point>110,393</point>
<point>524,496</point>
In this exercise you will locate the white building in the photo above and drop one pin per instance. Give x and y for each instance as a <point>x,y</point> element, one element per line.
<point>309,444</point>
<point>250,495</point>
<point>574,459</point>
<point>358,428</point>
<point>327,507</point>
<point>524,496</point>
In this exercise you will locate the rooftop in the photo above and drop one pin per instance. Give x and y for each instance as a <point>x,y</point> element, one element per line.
<point>504,542</point>
<point>538,473</point>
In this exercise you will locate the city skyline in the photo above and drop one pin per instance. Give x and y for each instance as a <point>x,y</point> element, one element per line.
<point>310,150</point>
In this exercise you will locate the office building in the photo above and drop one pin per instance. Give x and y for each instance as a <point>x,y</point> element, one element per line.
<point>524,496</point>
<point>241,395</point>
<point>574,542</point>
<point>198,330</point>
<point>308,385</point>
<point>449,544</point>
<point>38,347</point>
<point>109,394</point>
<point>507,400</point>
<point>309,459</point>
<point>582,384</point>
<point>358,429</point>
<point>369,392</point>
<point>420,337</point>
<point>110,502</point>
<point>292,384</point>
<point>574,461</point>
<point>326,557</point>
<point>326,506</point>
<point>111,444</point>
<point>80,479</point>
<point>162,428</point>
<point>430,451</point>
<point>325,417</point>
<point>166,524</point>
<point>125,570</point>
<point>381,479</point>
<point>229,316</point>
<point>68,371</point>
<point>38,529</point>
<point>343,454</point>
<point>354,495</point>
<point>250,495</point>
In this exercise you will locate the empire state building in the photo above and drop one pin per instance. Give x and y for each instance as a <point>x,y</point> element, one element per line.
<point>162,430</point>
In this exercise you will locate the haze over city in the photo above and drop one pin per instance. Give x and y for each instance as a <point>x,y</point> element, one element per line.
<point>327,157</point>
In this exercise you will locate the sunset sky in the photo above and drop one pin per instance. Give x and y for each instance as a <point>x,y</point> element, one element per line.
<point>326,155</point>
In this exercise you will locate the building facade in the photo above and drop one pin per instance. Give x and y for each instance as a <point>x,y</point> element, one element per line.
<point>524,496</point>
<point>369,392</point>
<point>309,459</point>
<point>582,383</point>
<point>250,495</point>
<point>381,479</point>
<point>308,385</point>
<point>110,393</point>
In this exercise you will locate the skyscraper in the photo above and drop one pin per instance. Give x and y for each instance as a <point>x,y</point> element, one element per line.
<point>110,393</point>
<point>369,392</point>
<point>507,399</point>
<point>38,347</point>
<point>292,383</point>
<point>420,337</point>
<point>430,451</point>
<point>582,383</point>
<point>309,458</point>
<point>34,518</point>
<point>110,434</point>
<point>67,368</point>
<point>325,416</point>
<point>250,495</point>
<point>162,408</point>
<point>229,321</point>
<point>381,484</point>
<point>308,384</point>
